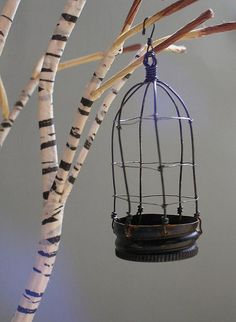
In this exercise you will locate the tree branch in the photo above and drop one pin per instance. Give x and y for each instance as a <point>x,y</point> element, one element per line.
<point>158,48</point>
<point>177,6</point>
<point>6,18</point>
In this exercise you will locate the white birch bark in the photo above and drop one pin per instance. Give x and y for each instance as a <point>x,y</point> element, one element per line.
<point>23,99</point>
<point>101,114</point>
<point>42,269</point>
<point>6,19</point>
<point>78,125</point>
<point>53,211</point>
<point>26,93</point>
<point>52,58</point>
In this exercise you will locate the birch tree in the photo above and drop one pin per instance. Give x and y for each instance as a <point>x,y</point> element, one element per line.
<point>59,177</point>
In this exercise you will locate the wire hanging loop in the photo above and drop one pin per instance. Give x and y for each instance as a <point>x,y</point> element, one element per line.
<point>150,63</point>
<point>150,60</point>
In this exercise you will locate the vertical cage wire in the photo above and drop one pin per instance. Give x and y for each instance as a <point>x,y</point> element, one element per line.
<point>152,83</point>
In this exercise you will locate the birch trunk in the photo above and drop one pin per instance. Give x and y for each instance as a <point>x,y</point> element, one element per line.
<point>53,212</point>
<point>52,58</point>
<point>6,19</point>
<point>45,259</point>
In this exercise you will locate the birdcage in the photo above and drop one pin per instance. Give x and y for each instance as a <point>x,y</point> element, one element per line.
<point>155,213</point>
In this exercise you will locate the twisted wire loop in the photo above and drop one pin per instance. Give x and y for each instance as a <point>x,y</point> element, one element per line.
<point>150,63</point>
<point>142,199</point>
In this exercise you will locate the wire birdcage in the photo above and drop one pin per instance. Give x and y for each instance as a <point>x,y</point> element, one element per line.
<point>150,221</point>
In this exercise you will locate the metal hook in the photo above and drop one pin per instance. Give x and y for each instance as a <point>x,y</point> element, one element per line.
<point>144,28</point>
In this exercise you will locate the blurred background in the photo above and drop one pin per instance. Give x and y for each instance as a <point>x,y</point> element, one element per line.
<point>89,283</point>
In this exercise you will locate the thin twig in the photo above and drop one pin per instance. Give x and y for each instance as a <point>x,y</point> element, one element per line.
<point>3,101</point>
<point>30,87</point>
<point>160,47</point>
<point>179,5</point>
<point>93,57</point>
<point>131,15</point>
<point>201,32</point>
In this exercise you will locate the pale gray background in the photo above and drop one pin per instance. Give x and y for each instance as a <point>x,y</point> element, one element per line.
<point>89,284</point>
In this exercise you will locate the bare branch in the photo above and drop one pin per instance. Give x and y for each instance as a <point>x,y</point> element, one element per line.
<point>201,32</point>
<point>3,100</point>
<point>179,5</point>
<point>131,15</point>
<point>160,47</point>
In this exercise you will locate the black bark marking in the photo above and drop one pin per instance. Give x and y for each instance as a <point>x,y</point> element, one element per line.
<point>58,193</point>
<point>48,144</point>
<point>1,33</point>
<point>61,206</point>
<point>127,76</point>
<point>5,124</point>
<point>40,89</point>
<point>74,132</point>
<point>53,55</point>
<point>98,120</point>
<point>45,123</point>
<point>59,179</point>
<point>100,78</point>
<point>87,144</point>
<point>46,162</point>
<point>47,265</point>
<point>82,112</point>
<point>86,102</point>
<point>72,148</point>
<point>49,220</point>
<point>47,70</point>
<point>45,195</point>
<point>59,37</point>
<point>71,179</point>
<point>46,80</point>
<point>48,255</point>
<point>19,103</point>
<point>65,166</point>
<point>69,18</point>
<point>49,170</point>
<point>77,169</point>
<point>115,92</point>
<point>8,18</point>
<point>54,186</point>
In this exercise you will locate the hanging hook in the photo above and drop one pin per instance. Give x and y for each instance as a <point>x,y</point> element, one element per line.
<point>144,31</point>
<point>144,26</point>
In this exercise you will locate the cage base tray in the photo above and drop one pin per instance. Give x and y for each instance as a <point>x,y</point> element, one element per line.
<point>148,240</point>
<point>162,257</point>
